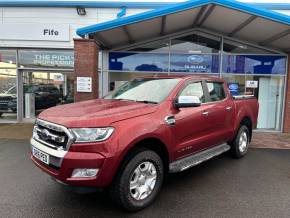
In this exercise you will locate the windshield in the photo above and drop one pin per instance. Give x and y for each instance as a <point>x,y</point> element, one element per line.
<point>147,90</point>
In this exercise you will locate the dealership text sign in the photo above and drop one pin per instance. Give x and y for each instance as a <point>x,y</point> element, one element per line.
<point>53,60</point>
<point>42,32</point>
<point>46,58</point>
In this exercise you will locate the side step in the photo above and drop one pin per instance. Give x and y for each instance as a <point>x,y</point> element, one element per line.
<point>198,158</point>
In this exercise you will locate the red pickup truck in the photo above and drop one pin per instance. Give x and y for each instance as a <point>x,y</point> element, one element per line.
<point>131,138</point>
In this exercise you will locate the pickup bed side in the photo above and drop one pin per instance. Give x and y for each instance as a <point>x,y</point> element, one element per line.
<point>246,112</point>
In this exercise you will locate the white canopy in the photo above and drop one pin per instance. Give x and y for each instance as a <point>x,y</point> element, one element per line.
<point>231,18</point>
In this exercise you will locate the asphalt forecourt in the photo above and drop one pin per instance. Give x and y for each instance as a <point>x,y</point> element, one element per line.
<point>254,186</point>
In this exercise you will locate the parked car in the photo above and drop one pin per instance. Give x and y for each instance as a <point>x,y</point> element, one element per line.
<point>5,98</point>
<point>46,95</point>
<point>69,98</point>
<point>148,127</point>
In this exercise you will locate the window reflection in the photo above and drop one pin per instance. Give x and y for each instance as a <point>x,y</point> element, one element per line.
<point>195,44</point>
<point>7,58</point>
<point>161,46</point>
<point>241,48</point>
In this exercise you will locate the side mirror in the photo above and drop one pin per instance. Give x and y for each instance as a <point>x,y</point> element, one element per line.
<point>187,101</point>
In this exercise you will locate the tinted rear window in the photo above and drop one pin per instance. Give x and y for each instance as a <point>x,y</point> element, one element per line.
<point>216,91</point>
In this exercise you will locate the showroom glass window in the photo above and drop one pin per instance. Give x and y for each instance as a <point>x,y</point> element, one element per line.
<point>151,57</point>
<point>255,71</point>
<point>48,78</point>
<point>195,53</point>
<point>7,83</point>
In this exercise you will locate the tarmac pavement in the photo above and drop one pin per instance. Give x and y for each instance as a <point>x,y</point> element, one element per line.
<point>257,185</point>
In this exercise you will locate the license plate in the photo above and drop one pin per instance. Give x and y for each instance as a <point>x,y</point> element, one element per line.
<point>40,155</point>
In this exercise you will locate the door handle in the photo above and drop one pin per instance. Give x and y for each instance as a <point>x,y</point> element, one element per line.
<point>228,108</point>
<point>205,113</point>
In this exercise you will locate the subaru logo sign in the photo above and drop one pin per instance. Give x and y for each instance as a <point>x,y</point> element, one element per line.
<point>195,59</point>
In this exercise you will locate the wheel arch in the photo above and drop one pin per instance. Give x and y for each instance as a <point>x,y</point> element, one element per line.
<point>150,143</point>
<point>248,123</point>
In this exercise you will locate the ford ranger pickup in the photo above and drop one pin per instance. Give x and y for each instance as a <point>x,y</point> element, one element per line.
<point>150,126</point>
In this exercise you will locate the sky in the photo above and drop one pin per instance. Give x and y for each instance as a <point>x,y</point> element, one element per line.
<point>259,1</point>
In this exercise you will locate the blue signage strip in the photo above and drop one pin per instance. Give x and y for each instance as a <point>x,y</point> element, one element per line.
<point>255,64</point>
<point>134,62</point>
<point>197,63</point>
<point>159,62</point>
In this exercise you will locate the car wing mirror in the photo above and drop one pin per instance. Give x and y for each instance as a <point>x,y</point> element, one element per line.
<point>187,101</point>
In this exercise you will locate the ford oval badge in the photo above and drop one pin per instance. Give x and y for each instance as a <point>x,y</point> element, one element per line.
<point>233,86</point>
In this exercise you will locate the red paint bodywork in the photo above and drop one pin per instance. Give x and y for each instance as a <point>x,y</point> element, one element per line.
<point>134,122</point>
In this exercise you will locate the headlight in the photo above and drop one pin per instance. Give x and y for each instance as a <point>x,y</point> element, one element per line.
<point>92,134</point>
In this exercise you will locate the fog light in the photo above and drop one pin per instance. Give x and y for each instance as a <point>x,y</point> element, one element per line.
<point>84,173</point>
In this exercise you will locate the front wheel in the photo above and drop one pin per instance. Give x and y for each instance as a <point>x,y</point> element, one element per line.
<point>240,145</point>
<point>139,181</point>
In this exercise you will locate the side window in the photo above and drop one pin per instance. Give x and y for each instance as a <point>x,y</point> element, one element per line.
<point>194,89</point>
<point>216,91</point>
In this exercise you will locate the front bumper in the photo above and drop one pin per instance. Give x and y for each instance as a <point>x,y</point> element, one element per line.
<point>62,163</point>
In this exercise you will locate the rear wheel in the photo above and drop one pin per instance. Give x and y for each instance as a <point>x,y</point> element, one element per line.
<point>139,181</point>
<point>1,114</point>
<point>240,145</point>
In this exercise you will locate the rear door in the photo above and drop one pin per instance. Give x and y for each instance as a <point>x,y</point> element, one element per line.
<point>220,113</point>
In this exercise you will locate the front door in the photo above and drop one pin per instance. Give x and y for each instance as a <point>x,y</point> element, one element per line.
<point>191,127</point>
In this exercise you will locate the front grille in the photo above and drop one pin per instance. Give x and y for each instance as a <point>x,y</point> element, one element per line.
<point>52,135</point>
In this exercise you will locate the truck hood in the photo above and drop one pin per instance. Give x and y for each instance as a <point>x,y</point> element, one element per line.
<point>95,113</point>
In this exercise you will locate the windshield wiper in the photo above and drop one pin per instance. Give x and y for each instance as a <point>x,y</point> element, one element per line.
<point>141,101</point>
<point>147,102</point>
<point>122,99</point>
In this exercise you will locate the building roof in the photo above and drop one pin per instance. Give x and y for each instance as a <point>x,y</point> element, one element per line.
<point>231,18</point>
<point>117,4</point>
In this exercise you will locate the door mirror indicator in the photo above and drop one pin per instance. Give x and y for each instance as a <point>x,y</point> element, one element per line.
<point>187,101</point>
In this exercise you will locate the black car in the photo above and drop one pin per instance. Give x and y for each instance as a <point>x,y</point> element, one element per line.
<point>46,95</point>
<point>6,98</point>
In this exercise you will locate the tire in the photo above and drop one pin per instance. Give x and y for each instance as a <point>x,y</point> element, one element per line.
<point>240,145</point>
<point>123,191</point>
<point>1,114</point>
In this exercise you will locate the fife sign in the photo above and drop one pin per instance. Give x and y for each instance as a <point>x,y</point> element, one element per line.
<point>37,32</point>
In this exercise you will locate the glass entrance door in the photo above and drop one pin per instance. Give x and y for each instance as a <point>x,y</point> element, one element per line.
<point>42,90</point>
<point>270,99</point>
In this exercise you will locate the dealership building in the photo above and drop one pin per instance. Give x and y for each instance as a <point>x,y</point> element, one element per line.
<point>57,52</point>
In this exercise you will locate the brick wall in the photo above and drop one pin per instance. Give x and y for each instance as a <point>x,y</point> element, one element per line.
<point>86,65</point>
<point>287,102</point>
